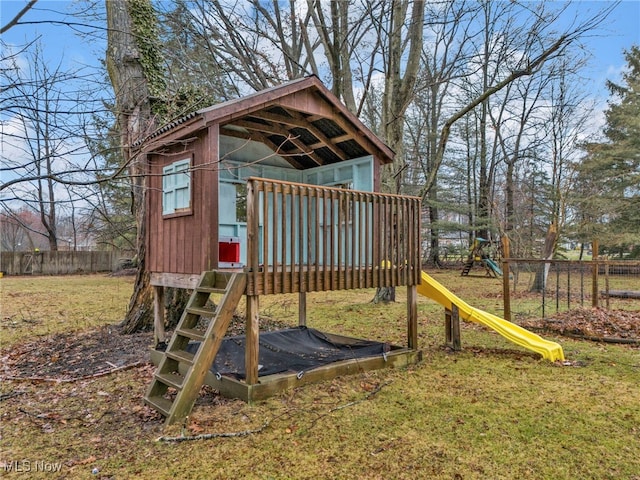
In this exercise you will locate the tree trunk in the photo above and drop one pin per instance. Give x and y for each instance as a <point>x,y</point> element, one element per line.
<point>385,295</point>
<point>175,301</point>
<point>130,83</point>
<point>434,240</point>
<point>540,282</point>
<point>398,91</point>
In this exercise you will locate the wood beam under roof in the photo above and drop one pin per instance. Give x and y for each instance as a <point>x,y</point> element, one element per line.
<point>301,147</point>
<point>330,143</point>
<point>297,120</point>
<point>259,137</point>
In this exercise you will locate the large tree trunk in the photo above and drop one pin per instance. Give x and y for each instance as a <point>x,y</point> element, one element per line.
<point>131,86</point>
<point>434,233</point>
<point>540,282</point>
<point>398,91</point>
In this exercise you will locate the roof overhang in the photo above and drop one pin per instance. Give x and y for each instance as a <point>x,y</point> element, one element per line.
<point>301,121</point>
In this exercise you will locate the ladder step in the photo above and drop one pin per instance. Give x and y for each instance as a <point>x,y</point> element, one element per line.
<point>181,356</point>
<point>210,290</point>
<point>191,333</point>
<point>170,379</point>
<point>161,404</point>
<point>202,311</point>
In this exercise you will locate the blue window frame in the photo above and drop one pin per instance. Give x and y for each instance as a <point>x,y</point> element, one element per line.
<point>176,187</point>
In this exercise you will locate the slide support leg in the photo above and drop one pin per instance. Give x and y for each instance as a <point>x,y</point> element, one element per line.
<point>452,328</point>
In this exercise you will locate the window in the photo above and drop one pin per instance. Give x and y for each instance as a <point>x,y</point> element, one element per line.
<point>176,187</point>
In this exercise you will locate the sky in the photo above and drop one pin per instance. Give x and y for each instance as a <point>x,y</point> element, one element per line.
<point>61,44</point>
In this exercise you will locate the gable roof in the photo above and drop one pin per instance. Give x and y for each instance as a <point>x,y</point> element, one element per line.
<point>301,120</point>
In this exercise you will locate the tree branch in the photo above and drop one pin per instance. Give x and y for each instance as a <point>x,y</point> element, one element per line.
<point>13,22</point>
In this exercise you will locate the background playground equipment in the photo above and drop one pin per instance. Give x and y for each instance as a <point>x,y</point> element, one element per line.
<point>455,307</point>
<point>480,252</point>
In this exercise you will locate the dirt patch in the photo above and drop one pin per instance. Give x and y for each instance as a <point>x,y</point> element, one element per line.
<point>80,355</point>
<point>594,324</point>
<point>76,355</point>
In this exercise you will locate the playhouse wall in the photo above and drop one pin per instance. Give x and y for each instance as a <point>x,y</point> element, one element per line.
<point>185,242</point>
<point>357,174</point>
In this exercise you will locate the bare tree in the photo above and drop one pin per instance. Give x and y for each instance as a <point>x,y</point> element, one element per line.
<point>568,113</point>
<point>14,236</point>
<point>447,26</point>
<point>43,113</point>
<point>503,50</point>
<point>537,44</point>
<point>244,46</point>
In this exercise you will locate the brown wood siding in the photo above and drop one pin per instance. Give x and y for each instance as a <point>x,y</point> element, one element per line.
<point>308,102</point>
<point>377,170</point>
<point>153,215</point>
<point>182,243</point>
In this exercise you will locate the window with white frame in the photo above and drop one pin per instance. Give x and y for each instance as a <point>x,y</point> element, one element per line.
<point>176,187</point>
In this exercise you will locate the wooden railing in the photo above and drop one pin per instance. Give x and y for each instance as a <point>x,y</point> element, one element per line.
<point>304,238</point>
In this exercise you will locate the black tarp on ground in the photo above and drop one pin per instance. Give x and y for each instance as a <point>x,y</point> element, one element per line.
<point>291,350</point>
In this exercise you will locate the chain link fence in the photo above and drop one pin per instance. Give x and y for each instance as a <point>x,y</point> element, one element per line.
<point>542,288</point>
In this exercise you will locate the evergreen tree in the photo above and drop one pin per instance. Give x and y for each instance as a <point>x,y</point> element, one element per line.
<point>610,172</point>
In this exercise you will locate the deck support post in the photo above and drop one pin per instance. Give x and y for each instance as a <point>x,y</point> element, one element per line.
<point>252,339</point>
<point>302,309</point>
<point>412,317</point>
<point>452,328</point>
<point>158,315</point>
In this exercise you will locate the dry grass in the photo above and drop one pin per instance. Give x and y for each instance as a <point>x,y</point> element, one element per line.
<point>490,411</point>
<point>37,306</point>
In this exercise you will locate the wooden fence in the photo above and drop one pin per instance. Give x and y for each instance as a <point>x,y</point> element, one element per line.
<point>61,262</point>
<point>303,238</point>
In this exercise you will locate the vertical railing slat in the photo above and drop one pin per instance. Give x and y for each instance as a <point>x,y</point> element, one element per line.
<point>302,230</point>
<point>379,239</point>
<point>341,221</point>
<point>252,234</point>
<point>311,285</point>
<point>322,272</point>
<point>275,239</point>
<point>265,240</point>
<point>368,241</point>
<point>285,218</point>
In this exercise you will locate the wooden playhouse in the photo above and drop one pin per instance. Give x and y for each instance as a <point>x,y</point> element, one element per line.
<point>273,193</point>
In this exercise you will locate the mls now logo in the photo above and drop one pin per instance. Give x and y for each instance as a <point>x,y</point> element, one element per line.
<point>26,466</point>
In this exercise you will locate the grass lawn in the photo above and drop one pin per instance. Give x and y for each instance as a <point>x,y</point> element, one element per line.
<point>492,410</point>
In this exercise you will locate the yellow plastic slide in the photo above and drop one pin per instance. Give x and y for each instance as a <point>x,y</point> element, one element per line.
<point>432,289</point>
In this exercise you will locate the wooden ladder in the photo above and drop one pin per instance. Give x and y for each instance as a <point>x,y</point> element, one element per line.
<point>187,386</point>
<point>467,267</point>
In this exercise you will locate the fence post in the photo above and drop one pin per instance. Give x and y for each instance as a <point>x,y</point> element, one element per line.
<point>594,273</point>
<point>606,281</point>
